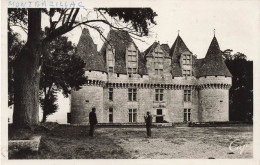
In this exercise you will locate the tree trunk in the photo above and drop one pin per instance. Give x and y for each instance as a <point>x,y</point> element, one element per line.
<point>44,117</point>
<point>27,75</point>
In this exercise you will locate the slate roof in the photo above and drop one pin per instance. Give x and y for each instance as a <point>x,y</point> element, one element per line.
<point>176,50</point>
<point>213,64</point>
<point>120,40</point>
<point>196,65</point>
<point>87,50</point>
<point>166,48</point>
<point>152,47</point>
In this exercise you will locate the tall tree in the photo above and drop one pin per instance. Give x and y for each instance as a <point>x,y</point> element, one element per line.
<point>241,92</point>
<point>62,70</point>
<point>28,64</point>
<point>14,46</point>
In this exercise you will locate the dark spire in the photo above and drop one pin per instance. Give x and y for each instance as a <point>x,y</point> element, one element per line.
<point>213,63</point>
<point>87,50</point>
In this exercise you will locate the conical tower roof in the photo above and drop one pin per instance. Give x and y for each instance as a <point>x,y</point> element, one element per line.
<point>213,64</point>
<point>87,50</point>
<point>176,50</point>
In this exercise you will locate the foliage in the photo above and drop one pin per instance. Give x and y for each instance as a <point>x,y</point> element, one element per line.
<point>140,18</point>
<point>14,46</point>
<point>241,92</point>
<point>61,70</point>
<point>48,104</point>
<point>61,21</point>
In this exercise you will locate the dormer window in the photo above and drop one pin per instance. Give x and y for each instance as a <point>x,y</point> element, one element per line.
<point>110,69</point>
<point>110,58</point>
<point>186,59</point>
<point>131,70</point>
<point>110,55</point>
<point>158,62</point>
<point>132,56</point>
<point>186,73</point>
<point>158,71</point>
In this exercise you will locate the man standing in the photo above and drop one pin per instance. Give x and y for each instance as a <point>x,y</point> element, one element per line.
<point>92,121</point>
<point>148,121</point>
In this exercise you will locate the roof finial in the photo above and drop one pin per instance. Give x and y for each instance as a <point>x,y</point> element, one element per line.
<point>178,32</point>
<point>214,31</point>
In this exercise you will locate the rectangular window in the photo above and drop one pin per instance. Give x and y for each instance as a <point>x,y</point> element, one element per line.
<point>110,57</point>
<point>186,59</point>
<point>187,115</point>
<point>158,63</point>
<point>132,56</point>
<point>132,94</point>
<point>158,94</point>
<point>186,73</point>
<point>132,70</point>
<point>158,60</point>
<point>132,115</point>
<point>110,69</point>
<point>187,95</point>
<point>158,71</point>
<point>159,111</point>
<point>110,92</point>
<point>110,115</point>
<point>132,62</point>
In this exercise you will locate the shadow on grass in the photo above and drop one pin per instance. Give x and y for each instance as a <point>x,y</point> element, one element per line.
<point>73,142</point>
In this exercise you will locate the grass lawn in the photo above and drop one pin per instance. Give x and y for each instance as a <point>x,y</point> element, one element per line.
<point>73,142</point>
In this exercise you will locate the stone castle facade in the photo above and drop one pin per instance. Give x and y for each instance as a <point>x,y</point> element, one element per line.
<point>171,83</point>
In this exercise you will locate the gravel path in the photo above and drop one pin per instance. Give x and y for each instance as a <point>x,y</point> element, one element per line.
<point>186,142</point>
<point>165,149</point>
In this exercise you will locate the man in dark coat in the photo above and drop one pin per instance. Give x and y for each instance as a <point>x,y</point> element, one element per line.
<point>92,121</point>
<point>148,121</point>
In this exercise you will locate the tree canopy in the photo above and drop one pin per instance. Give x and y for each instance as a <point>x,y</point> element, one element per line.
<point>62,70</point>
<point>29,63</point>
<point>241,92</point>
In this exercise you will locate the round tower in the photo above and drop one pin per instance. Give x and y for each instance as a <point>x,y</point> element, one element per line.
<point>214,83</point>
<point>91,95</point>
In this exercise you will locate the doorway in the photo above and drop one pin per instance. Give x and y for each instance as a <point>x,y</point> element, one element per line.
<point>110,116</point>
<point>159,116</point>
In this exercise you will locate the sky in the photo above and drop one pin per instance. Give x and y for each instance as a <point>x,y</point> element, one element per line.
<point>236,24</point>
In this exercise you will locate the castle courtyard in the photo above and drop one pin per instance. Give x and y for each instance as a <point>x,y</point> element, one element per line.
<point>122,142</point>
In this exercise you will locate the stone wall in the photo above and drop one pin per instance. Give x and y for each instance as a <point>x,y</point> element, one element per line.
<point>96,75</point>
<point>172,106</point>
<point>215,80</point>
<point>207,104</point>
<point>83,101</point>
<point>214,105</point>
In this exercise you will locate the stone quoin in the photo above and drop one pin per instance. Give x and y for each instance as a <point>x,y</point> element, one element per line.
<point>171,83</point>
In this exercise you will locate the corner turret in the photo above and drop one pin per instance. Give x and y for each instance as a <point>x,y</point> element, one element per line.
<point>91,95</point>
<point>214,82</point>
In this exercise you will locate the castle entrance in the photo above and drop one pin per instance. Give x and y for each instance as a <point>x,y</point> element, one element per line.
<point>159,116</point>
